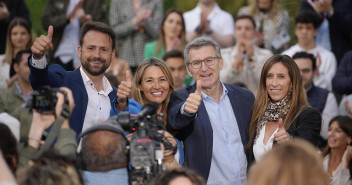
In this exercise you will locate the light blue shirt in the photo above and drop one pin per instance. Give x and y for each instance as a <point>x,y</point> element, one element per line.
<point>323,35</point>
<point>228,163</point>
<point>116,176</point>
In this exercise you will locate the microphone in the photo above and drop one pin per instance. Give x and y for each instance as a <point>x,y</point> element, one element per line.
<point>148,109</point>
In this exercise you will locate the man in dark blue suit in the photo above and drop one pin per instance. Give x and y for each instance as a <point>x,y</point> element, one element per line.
<point>92,92</point>
<point>212,118</point>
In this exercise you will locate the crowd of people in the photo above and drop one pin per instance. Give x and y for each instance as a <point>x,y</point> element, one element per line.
<point>237,102</point>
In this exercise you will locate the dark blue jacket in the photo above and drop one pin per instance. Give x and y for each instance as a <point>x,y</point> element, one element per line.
<point>317,97</point>
<point>56,76</point>
<point>342,81</point>
<point>196,132</point>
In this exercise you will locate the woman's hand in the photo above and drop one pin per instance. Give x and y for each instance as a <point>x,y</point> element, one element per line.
<point>281,135</point>
<point>347,156</point>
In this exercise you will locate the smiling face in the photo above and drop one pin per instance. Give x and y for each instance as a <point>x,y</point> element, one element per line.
<point>96,52</point>
<point>172,26</point>
<point>278,82</point>
<point>154,85</point>
<point>337,138</point>
<point>20,37</point>
<point>209,75</point>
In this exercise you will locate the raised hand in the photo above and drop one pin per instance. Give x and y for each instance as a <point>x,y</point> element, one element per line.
<point>123,91</point>
<point>347,156</point>
<point>194,99</point>
<point>281,135</point>
<point>43,44</point>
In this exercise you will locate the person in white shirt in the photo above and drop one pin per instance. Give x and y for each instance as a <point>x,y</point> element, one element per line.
<point>244,61</point>
<point>306,31</point>
<point>207,19</point>
<point>92,92</point>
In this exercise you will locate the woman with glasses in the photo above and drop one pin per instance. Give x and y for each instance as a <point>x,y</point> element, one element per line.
<point>281,111</point>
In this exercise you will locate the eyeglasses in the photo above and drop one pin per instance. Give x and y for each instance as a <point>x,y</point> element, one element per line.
<point>196,64</point>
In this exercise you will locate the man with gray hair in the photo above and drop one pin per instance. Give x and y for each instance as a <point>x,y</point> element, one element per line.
<point>212,118</point>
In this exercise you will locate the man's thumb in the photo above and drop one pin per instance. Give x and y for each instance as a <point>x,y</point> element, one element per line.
<point>50,32</point>
<point>128,76</point>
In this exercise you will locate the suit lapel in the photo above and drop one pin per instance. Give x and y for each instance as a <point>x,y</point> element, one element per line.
<point>77,78</point>
<point>204,121</point>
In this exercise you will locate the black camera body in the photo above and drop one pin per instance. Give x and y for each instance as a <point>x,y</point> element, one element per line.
<point>44,99</point>
<point>145,153</point>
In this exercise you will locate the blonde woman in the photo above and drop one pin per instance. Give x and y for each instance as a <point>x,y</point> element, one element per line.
<point>272,23</point>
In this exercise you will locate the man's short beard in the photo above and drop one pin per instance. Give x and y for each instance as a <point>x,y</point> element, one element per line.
<point>86,66</point>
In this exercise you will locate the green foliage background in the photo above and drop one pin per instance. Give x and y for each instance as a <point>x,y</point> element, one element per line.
<point>232,6</point>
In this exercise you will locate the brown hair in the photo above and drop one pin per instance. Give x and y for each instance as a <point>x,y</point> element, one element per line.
<point>295,162</point>
<point>9,55</point>
<point>167,176</point>
<point>161,39</point>
<point>298,94</point>
<point>99,27</point>
<point>139,96</point>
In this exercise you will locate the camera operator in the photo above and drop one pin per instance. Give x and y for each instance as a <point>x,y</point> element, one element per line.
<point>66,138</point>
<point>103,155</point>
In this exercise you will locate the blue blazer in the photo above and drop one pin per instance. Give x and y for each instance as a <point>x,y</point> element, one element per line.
<point>56,76</point>
<point>196,132</point>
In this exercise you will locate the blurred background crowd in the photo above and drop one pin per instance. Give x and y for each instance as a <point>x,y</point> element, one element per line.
<point>287,62</point>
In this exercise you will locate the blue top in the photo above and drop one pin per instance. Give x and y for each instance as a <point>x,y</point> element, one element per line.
<point>116,176</point>
<point>229,162</point>
<point>132,106</point>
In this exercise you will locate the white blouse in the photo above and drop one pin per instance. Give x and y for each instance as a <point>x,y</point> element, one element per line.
<point>340,176</point>
<point>259,148</point>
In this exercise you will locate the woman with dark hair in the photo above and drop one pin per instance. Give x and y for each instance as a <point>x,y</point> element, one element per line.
<point>19,37</point>
<point>338,153</point>
<point>281,111</point>
<point>172,36</point>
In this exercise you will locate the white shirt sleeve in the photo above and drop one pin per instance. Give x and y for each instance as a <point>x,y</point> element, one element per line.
<point>39,64</point>
<point>331,110</point>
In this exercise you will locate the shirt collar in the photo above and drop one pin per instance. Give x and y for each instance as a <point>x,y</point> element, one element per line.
<point>86,81</point>
<point>18,88</point>
<point>223,94</point>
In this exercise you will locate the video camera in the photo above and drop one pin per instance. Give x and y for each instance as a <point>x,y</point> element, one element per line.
<point>145,153</point>
<point>44,99</point>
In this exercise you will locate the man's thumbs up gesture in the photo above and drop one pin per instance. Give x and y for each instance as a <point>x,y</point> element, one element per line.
<point>123,91</point>
<point>194,99</point>
<point>42,44</point>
